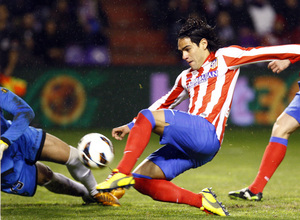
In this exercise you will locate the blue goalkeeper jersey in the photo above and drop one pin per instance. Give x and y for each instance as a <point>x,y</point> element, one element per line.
<point>12,130</point>
<point>21,112</point>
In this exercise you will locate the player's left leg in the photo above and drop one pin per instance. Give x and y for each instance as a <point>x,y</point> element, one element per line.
<point>166,191</point>
<point>184,150</point>
<point>150,180</point>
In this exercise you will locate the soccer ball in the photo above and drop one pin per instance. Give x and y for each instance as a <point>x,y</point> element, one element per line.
<point>95,150</point>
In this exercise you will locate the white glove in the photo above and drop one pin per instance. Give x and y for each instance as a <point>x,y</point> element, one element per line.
<point>3,147</point>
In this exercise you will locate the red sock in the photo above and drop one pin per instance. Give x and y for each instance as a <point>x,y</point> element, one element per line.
<point>137,141</point>
<point>166,191</point>
<point>272,157</point>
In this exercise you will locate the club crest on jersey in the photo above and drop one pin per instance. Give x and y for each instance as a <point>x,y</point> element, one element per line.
<point>214,64</point>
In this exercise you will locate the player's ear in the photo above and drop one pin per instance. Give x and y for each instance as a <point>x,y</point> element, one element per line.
<point>203,43</point>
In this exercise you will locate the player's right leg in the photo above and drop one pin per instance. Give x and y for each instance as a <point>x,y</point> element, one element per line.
<point>137,141</point>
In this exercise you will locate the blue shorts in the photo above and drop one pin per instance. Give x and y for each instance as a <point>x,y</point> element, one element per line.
<point>294,107</point>
<point>18,170</point>
<point>190,141</point>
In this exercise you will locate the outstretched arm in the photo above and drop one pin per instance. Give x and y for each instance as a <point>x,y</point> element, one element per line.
<point>278,66</point>
<point>236,56</point>
<point>22,116</point>
<point>21,111</point>
<point>120,132</point>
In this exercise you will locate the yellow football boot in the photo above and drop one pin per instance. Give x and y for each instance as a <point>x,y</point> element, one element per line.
<point>116,180</point>
<point>211,205</point>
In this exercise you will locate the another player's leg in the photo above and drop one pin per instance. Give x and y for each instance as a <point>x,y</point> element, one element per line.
<point>137,141</point>
<point>55,150</point>
<point>58,183</point>
<point>273,156</point>
<point>245,194</point>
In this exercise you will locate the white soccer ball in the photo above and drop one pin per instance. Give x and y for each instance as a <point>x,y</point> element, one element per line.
<point>95,150</point>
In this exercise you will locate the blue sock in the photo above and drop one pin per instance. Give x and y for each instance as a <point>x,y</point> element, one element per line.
<point>279,140</point>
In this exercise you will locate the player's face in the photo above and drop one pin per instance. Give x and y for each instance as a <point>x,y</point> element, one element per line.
<point>192,53</point>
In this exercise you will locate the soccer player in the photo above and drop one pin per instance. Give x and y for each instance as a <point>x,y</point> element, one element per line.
<point>193,138</point>
<point>285,125</point>
<point>21,146</point>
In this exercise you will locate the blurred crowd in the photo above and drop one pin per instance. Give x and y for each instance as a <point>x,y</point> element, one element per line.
<point>36,32</point>
<point>242,22</point>
<point>63,31</point>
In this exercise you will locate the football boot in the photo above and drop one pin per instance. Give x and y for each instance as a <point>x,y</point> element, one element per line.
<point>245,194</point>
<point>116,180</point>
<point>211,205</point>
<point>106,199</point>
<point>119,192</point>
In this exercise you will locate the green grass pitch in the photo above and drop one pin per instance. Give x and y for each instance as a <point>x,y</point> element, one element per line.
<point>234,167</point>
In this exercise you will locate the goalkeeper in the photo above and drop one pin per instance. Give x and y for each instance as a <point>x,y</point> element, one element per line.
<point>22,146</point>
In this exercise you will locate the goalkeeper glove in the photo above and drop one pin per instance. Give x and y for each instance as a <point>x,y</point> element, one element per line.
<point>3,147</point>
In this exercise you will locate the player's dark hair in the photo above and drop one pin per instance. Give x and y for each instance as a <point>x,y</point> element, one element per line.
<point>197,29</point>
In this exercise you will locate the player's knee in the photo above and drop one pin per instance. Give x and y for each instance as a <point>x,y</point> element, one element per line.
<point>136,175</point>
<point>45,174</point>
<point>283,128</point>
<point>148,170</point>
<point>148,114</point>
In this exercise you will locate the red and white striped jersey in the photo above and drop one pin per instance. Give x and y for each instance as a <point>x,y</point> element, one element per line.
<point>210,89</point>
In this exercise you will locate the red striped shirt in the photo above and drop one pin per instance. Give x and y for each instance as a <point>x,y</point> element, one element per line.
<point>210,89</point>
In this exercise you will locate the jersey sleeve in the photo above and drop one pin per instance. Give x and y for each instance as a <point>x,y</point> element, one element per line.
<point>22,114</point>
<point>236,56</point>
<point>294,60</point>
<point>173,98</point>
